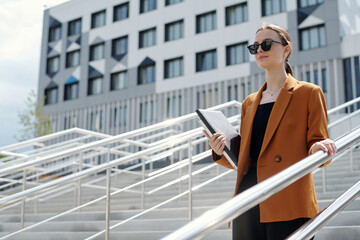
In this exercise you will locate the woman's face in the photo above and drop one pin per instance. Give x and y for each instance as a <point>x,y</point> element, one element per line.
<point>275,57</point>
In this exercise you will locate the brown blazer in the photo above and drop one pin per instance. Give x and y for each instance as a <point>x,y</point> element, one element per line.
<point>298,120</point>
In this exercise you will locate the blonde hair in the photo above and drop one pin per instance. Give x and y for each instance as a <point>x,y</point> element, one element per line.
<point>285,39</point>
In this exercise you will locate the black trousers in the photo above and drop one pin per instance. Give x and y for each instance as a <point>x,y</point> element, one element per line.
<point>248,227</point>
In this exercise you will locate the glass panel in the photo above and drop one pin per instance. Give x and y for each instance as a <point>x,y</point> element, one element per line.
<point>97,52</point>
<point>276,6</point>
<point>98,19</point>
<point>118,80</point>
<point>303,3</point>
<point>314,38</point>
<point>95,86</point>
<point>324,80</point>
<point>74,27</point>
<point>304,40</point>
<point>267,6</point>
<point>121,12</point>
<point>322,36</point>
<point>54,33</point>
<point>316,77</point>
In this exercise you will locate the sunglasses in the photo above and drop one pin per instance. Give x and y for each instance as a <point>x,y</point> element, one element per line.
<point>265,45</point>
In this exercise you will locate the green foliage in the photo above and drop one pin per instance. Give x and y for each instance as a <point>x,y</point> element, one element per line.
<point>34,123</point>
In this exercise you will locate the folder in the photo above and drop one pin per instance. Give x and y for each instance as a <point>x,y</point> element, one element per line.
<point>216,122</point>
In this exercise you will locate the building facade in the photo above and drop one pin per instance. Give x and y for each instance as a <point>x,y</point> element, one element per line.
<point>116,65</point>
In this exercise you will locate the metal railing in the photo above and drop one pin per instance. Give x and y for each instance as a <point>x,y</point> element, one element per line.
<point>316,223</point>
<point>144,154</point>
<point>174,142</point>
<point>229,210</point>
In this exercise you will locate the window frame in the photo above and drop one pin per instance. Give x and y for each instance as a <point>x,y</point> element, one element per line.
<point>67,65</point>
<point>74,22</point>
<point>91,53</point>
<point>48,64</point>
<point>54,39</point>
<point>199,60</point>
<point>119,6</point>
<point>168,61</point>
<point>168,25</point>
<point>203,15</point>
<point>93,16</point>
<point>241,5</point>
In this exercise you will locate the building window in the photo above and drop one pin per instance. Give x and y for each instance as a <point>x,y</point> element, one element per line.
<point>206,22</point>
<point>96,52</point>
<point>98,19</point>
<point>270,7</point>
<point>174,30</point>
<point>54,33</point>
<point>119,46</point>
<point>121,12</point>
<point>170,2</point>
<point>51,95</point>
<point>147,5</point>
<point>73,58</point>
<point>313,37</point>
<point>53,64</point>
<point>118,80</point>
<point>174,67</point>
<point>236,54</point>
<point>147,38</point>
<point>324,80</point>
<point>146,74</point>
<point>95,86</point>
<point>71,91</point>
<point>308,3</point>
<point>74,27</point>
<point>206,60</point>
<point>236,14</point>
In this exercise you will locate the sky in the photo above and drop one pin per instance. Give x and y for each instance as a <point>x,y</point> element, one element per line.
<point>20,40</point>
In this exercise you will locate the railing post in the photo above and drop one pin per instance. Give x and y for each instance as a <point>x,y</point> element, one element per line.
<point>190,179</point>
<point>108,185</point>
<point>36,199</point>
<point>143,184</point>
<point>23,200</point>
<point>351,159</point>
<point>180,173</point>
<point>79,182</point>
<point>324,179</point>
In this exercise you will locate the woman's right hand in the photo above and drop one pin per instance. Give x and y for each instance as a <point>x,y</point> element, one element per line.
<point>216,142</point>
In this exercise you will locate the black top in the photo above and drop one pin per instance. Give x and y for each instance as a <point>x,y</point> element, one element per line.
<point>259,127</point>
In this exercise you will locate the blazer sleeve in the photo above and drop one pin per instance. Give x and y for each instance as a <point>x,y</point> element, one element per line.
<point>317,120</point>
<point>221,159</point>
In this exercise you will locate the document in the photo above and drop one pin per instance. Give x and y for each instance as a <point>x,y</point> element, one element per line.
<point>216,122</point>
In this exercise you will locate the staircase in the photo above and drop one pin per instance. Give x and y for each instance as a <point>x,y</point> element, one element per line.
<point>159,222</point>
<point>84,222</point>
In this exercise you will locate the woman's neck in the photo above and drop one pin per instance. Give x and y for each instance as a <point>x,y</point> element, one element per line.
<point>275,78</point>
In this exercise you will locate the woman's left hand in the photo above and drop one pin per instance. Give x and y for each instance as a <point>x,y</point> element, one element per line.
<point>326,145</point>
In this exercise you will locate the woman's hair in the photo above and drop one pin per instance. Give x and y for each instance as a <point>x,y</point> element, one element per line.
<point>285,38</point>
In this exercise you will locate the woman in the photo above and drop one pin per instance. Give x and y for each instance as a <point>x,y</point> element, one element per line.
<point>282,123</point>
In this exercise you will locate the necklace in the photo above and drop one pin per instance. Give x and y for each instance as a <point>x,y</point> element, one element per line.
<point>272,92</point>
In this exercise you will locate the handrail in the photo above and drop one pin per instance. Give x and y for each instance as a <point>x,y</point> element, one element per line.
<point>347,104</point>
<point>110,140</point>
<point>99,168</point>
<point>227,211</point>
<point>172,138</point>
<point>307,230</point>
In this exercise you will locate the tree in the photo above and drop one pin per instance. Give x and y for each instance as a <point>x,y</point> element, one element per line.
<point>34,123</point>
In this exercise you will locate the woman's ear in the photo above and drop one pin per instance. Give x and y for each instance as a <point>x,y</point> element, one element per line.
<point>287,51</point>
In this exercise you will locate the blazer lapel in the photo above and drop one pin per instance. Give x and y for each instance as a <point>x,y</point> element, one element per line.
<point>278,111</point>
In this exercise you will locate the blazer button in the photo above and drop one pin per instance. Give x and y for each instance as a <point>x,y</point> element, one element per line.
<point>278,158</point>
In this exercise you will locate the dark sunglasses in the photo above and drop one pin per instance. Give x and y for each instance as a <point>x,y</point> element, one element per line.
<point>265,45</point>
